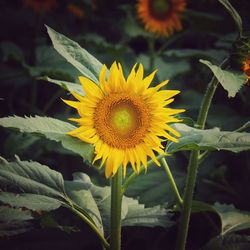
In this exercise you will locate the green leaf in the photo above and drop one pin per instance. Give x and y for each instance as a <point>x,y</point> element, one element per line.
<point>88,65</point>
<point>48,62</point>
<point>79,192</point>
<point>138,215</point>
<point>228,242</point>
<point>41,187</point>
<point>96,201</point>
<point>8,214</point>
<point>52,129</point>
<point>34,202</point>
<point>71,87</point>
<point>232,219</point>
<point>154,188</point>
<point>166,70</point>
<point>209,139</point>
<point>32,177</point>
<point>14,221</point>
<point>235,15</point>
<point>219,55</point>
<point>230,81</point>
<point>48,221</point>
<point>243,127</point>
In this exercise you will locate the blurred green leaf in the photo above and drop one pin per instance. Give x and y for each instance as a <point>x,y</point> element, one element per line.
<point>228,242</point>
<point>47,221</point>
<point>70,86</point>
<point>209,139</point>
<point>231,81</point>
<point>96,201</point>
<point>48,62</point>
<point>11,51</point>
<point>235,15</point>
<point>232,219</point>
<point>14,221</point>
<point>52,129</point>
<point>219,55</point>
<point>166,69</point>
<point>34,202</point>
<point>154,188</point>
<point>87,64</point>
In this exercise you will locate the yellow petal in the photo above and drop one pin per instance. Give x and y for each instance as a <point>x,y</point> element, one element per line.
<point>90,88</point>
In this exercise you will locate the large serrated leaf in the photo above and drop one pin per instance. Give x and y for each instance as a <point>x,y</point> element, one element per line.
<point>52,129</point>
<point>97,199</point>
<point>138,215</point>
<point>32,177</point>
<point>209,139</point>
<point>232,219</point>
<point>33,202</point>
<point>230,81</point>
<point>88,65</point>
<point>14,221</point>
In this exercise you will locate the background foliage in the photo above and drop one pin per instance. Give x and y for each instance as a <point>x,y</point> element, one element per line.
<point>30,66</point>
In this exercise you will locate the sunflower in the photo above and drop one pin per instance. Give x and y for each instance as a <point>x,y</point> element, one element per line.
<point>40,5</point>
<point>161,16</point>
<point>125,119</point>
<point>75,10</point>
<point>246,69</point>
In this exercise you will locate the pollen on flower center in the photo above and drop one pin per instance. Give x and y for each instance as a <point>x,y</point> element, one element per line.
<point>159,8</point>
<point>121,120</point>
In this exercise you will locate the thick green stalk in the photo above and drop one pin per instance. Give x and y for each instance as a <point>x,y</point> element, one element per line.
<point>116,206</point>
<point>172,182</point>
<point>207,99</point>
<point>193,165</point>
<point>187,201</point>
<point>91,225</point>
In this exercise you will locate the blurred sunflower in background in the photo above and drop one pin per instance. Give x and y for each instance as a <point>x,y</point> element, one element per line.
<point>125,119</point>
<point>40,5</point>
<point>75,10</point>
<point>162,17</point>
<point>246,69</point>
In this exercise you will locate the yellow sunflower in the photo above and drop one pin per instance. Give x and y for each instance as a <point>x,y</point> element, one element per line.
<point>75,10</point>
<point>125,119</point>
<point>161,16</point>
<point>246,69</point>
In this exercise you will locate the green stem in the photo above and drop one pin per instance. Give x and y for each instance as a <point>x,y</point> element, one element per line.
<point>193,165</point>
<point>116,206</point>
<point>207,99</point>
<point>91,225</point>
<point>172,182</point>
<point>187,202</point>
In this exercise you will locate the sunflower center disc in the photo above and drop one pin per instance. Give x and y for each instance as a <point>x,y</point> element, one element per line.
<point>121,121</point>
<point>159,8</point>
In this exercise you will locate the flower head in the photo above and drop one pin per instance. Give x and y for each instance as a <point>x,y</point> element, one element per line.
<point>246,69</point>
<point>40,5</point>
<point>75,10</point>
<point>125,119</point>
<point>161,16</point>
